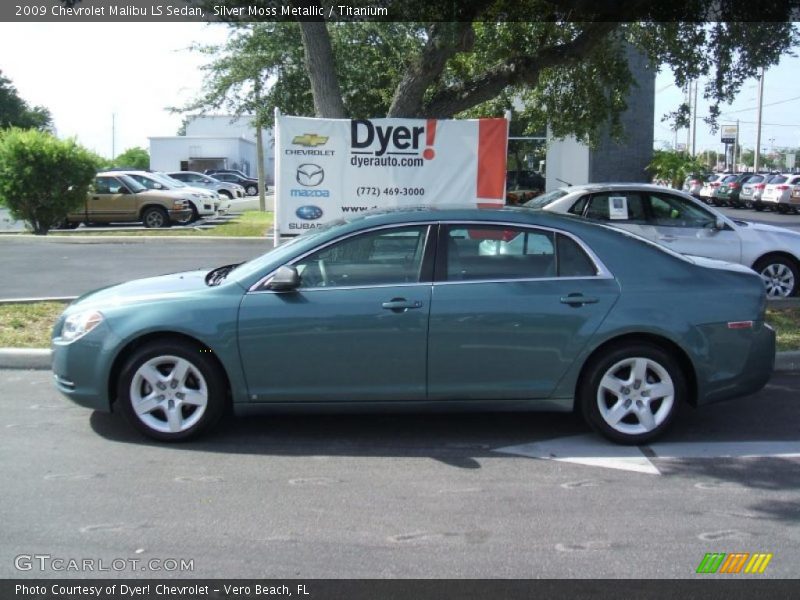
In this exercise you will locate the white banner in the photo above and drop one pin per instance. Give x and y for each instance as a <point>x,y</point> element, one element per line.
<point>326,169</point>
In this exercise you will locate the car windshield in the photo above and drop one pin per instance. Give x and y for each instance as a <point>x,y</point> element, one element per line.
<point>133,185</point>
<point>167,180</point>
<point>545,199</point>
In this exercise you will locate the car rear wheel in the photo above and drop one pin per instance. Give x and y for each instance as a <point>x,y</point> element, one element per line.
<point>780,275</point>
<point>631,393</point>
<point>748,204</point>
<point>251,190</point>
<point>170,391</point>
<point>154,217</point>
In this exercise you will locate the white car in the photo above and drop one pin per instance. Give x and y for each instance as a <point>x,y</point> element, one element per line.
<point>708,188</point>
<point>204,203</point>
<point>778,193</point>
<point>679,222</point>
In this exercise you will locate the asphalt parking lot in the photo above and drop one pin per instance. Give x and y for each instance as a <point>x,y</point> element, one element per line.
<point>464,496</point>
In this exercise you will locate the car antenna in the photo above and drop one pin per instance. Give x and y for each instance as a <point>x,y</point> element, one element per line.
<point>567,183</point>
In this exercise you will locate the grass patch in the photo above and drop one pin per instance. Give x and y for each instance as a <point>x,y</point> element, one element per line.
<point>252,223</point>
<point>29,325</point>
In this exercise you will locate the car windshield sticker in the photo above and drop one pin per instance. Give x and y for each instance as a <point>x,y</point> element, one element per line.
<point>617,207</point>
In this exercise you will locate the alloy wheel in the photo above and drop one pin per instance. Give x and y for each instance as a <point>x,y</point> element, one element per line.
<point>778,279</point>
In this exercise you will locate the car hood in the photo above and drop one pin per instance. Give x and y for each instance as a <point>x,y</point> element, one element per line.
<point>750,225</point>
<point>162,287</point>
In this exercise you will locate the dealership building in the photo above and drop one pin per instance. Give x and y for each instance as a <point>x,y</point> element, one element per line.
<point>214,142</point>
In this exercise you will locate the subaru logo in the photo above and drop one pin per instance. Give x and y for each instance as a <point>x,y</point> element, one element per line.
<point>310,175</point>
<point>309,212</point>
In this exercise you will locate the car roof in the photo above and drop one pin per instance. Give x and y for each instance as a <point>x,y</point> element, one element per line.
<point>610,187</point>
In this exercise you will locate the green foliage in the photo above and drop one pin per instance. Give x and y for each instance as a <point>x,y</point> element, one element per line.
<point>674,166</point>
<point>135,158</point>
<point>15,112</point>
<point>43,178</point>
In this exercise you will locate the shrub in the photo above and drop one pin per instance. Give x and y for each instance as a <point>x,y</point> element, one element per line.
<point>43,178</point>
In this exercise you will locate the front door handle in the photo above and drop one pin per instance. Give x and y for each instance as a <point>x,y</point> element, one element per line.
<point>401,304</point>
<point>578,300</point>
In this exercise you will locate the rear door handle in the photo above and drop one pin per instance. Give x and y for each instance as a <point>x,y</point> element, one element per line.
<point>401,304</point>
<point>667,238</point>
<point>578,300</point>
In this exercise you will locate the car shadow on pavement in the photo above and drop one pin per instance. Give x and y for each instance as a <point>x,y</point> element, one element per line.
<point>455,439</point>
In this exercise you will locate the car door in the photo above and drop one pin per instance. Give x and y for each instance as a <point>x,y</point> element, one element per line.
<point>107,202</point>
<point>512,308</point>
<point>620,208</point>
<point>689,228</point>
<point>355,329</point>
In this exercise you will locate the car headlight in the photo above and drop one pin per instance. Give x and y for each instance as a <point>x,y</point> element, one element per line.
<point>80,324</point>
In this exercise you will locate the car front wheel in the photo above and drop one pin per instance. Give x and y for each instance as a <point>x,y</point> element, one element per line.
<point>155,217</point>
<point>170,391</point>
<point>631,394</point>
<point>780,275</point>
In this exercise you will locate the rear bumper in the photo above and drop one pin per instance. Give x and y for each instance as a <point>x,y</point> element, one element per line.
<point>743,362</point>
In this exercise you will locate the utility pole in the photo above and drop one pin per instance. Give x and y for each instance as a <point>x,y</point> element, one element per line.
<point>758,125</point>
<point>113,135</point>
<point>694,120</point>
<point>736,148</point>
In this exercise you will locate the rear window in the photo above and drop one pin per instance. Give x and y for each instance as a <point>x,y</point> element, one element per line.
<point>778,179</point>
<point>756,179</point>
<point>729,178</point>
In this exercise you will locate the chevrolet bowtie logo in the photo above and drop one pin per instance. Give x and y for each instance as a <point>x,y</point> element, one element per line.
<point>310,139</point>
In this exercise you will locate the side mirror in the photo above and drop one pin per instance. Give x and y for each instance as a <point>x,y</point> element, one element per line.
<point>719,224</point>
<point>286,279</point>
<point>123,190</point>
<point>158,186</point>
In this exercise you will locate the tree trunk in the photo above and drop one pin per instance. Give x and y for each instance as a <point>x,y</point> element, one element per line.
<point>321,69</point>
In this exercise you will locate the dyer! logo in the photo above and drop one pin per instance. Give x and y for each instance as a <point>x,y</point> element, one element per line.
<point>310,175</point>
<point>735,563</point>
<point>310,140</point>
<point>392,139</point>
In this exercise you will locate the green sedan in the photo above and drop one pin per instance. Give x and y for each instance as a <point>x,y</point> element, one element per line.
<point>506,309</point>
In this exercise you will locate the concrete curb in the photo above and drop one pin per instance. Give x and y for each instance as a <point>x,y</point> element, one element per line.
<point>39,358</point>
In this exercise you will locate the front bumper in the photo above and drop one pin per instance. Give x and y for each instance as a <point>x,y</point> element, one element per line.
<point>81,368</point>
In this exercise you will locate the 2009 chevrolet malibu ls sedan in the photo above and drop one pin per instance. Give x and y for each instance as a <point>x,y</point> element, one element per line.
<point>506,309</point>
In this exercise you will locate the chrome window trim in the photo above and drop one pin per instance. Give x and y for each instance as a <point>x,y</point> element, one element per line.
<point>602,270</point>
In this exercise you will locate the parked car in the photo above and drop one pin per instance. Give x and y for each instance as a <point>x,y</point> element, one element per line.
<point>678,221</point>
<point>203,203</point>
<point>223,188</point>
<point>239,172</point>
<point>694,183</point>
<point>117,198</point>
<point>709,186</point>
<point>446,309</point>
<point>753,188</point>
<point>730,188</point>
<point>250,185</point>
<point>778,193</point>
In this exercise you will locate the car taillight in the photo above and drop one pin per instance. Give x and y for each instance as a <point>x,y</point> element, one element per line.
<point>733,186</point>
<point>716,184</point>
<point>783,187</point>
<point>693,182</point>
<point>761,186</point>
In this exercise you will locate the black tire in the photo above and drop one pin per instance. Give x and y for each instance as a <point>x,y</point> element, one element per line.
<point>251,190</point>
<point>775,269</point>
<point>782,209</point>
<point>629,429</point>
<point>168,350</point>
<point>226,193</point>
<point>68,224</point>
<point>195,215</point>
<point>154,217</point>
<point>758,206</point>
<point>748,204</point>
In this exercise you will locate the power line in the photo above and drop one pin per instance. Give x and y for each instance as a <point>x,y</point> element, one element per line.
<point>733,112</point>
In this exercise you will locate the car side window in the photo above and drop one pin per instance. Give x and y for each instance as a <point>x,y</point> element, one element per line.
<point>671,211</point>
<point>572,260</point>
<point>496,252</point>
<point>383,257</point>
<point>579,206</point>
<point>616,206</point>
<point>101,185</point>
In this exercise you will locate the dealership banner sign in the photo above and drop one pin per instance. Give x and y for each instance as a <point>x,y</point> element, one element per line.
<point>326,169</point>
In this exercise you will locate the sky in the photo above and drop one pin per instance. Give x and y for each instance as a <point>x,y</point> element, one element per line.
<point>92,74</point>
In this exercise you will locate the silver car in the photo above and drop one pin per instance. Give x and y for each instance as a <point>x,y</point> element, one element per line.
<point>753,188</point>
<point>204,203</point>
<point>708,188</point>
<point>678,221</point>
<point>223,188</point>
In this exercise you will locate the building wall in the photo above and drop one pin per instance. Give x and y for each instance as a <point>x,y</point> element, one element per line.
<point>612,161</point>
<point>167,153</point>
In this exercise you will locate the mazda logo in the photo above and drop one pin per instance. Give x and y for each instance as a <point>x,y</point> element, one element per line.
<point>310,175</point>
